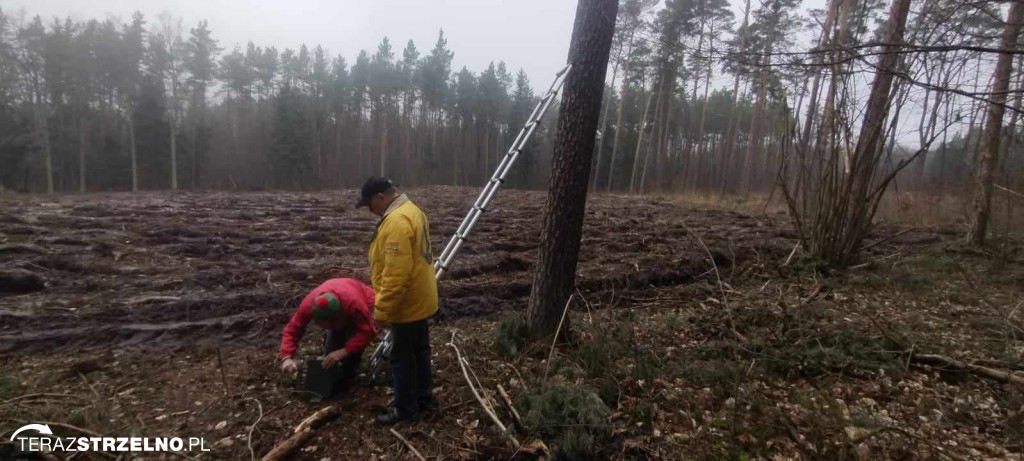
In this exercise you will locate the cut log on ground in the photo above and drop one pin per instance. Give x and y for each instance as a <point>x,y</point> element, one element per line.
<point>985,372</point>
<point>302,433</point>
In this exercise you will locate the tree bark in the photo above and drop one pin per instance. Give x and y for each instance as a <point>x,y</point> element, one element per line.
<point>618,128</point>
<point>604,117</point>
<point>639,143</point>
<point>81,154</point>
<point>133,150</point>
<point>733,113</point>
<point>704,106</point>
<point>754,141</point>
<point>174,136</point>
<point>555,276</point>
<point>989,153</point>
<point>864,160</point>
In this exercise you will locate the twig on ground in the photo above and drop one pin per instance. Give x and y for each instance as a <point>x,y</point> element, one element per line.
<point>590,317</point>
<point>516,419</point>
<point>41,396</point>
<point>886,429</point>
<point>1018,194</point>
<point>91,387</point>
<point>791,254</point>
<point>554,340</point>
<point>886,239</point>
<point>301,434</point>
<point>487,409</point>
<point>986,372</point>
<point>468,450</point>
<point>223,377</point>
<point>521,380</point>
<point>407,444</point>
<point>248,438</point>
<point>721,285</point>
<point>810,298</point>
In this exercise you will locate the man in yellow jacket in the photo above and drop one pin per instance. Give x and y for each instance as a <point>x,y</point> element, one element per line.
<point>402,273</point>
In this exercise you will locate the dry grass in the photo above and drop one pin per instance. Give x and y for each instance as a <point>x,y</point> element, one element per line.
<point>918,208</point>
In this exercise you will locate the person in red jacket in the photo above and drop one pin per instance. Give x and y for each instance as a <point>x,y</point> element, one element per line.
<point>342,308</point>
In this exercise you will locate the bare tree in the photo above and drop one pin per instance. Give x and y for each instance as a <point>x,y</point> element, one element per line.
<point>988,156</point>
<point>836,223</point>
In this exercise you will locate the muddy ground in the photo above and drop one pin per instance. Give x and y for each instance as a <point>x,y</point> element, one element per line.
<point>159,315</point>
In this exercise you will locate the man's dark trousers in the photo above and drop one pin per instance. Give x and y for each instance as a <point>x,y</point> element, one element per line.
<point>410,365</point>
<point>336,339</point>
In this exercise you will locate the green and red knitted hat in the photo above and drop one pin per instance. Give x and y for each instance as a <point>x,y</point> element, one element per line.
<point>326,306</point>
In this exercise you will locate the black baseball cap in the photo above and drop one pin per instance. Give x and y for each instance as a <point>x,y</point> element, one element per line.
<point>373,186</point>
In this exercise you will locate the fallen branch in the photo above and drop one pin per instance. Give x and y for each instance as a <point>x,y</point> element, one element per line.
<point>248,438</point>
<point>521,380</point>
<point>516,419</point>
<point>406,442</point>
<point>302,433</point>
<point>223,377</point>
<point>886,239</point>
<point>1018,194</point>
<point>456,447</point>
<point>41,396</point>
<point>487,409</point>
<point>284,449</point>
<point>558,331</point>
<point>318,419</point>
<point>985,372</point>
<point>791,254</point>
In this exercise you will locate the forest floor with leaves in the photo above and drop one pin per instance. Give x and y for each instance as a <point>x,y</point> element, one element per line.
<point>698,332</point>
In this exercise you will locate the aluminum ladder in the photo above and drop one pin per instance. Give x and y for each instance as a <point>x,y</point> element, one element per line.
<point>442,264</point>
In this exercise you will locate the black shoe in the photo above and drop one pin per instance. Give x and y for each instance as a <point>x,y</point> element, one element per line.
<point>390,418</point>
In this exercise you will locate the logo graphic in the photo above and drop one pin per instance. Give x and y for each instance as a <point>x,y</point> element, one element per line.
<point>40,428</point>
<point>45,440</point>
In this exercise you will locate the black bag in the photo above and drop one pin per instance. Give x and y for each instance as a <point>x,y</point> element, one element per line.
<point>324,383</point>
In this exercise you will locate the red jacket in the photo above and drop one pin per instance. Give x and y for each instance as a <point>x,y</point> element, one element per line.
<point>356,299</point>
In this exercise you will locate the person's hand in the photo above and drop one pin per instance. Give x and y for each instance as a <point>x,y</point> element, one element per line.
<point>289,366</point>
<point>334,357</point>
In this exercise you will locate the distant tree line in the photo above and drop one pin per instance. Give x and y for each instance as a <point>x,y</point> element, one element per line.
<point>697,100</point>
<point>103,105</point>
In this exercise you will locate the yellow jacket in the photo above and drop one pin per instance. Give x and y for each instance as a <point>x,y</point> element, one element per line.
<point>402,266</point>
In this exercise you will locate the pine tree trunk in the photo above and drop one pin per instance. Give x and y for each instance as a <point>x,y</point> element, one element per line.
<point>1011,136</point>
<point>730,141</point>
<point>618,130</point>
<point>989,153</point>
<point>754,142</point>
<point>555,277</point>
<point>42,133</point>
<point>132,148</point>
<point>81,154</point>
<point>701,152</point>
<point>844,238</point>
<point>604,118</point>
<point>174,145</point>
<point>486,154</point>
<point>830,101</point>
<point>639,143</point>
<point>812,110</point>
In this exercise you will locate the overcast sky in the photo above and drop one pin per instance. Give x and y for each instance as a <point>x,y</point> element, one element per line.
<point>529,34</point>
